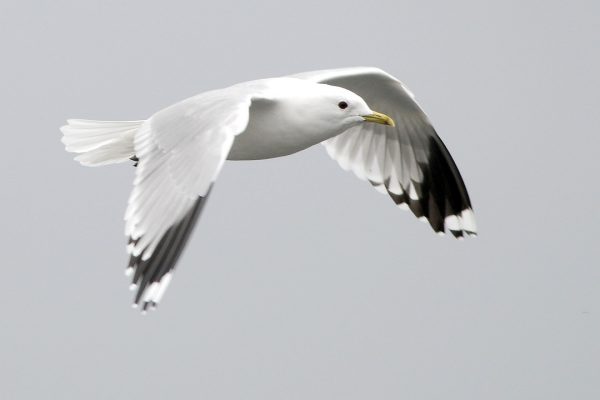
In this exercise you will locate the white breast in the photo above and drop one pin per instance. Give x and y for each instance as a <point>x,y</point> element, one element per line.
<point>276,130</point>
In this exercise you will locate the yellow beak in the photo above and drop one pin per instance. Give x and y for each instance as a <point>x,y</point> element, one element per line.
<point>379,118</point>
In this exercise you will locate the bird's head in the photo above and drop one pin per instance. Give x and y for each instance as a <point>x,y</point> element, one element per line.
<point>329,108</point>
<point>346,108</point>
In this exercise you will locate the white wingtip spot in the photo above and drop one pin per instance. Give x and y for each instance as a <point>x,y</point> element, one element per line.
<point>132,287</point>
<point>403,206</point>
<point>468,220</point>
<point>135,251</point>
<point>451,222</point>
<point>149,293</point>
<point>129,271</point>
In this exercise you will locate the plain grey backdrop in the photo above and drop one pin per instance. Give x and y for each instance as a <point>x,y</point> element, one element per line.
<point>302,282</point>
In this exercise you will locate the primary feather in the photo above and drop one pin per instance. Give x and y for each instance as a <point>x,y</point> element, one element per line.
<point>409,161</point>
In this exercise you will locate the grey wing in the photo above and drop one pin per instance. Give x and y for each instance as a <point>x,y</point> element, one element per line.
<point>180,151</point>
<point>409,162</point>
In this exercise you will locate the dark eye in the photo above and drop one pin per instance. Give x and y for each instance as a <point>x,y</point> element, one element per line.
<point>342,104</point>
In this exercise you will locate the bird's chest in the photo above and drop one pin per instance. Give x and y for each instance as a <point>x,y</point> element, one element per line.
<point>273,131</point>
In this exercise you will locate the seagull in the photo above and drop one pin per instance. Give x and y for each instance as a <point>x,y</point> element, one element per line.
<point>180,150</point>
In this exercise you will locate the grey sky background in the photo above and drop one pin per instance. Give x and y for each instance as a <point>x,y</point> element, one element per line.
<point>302,282</point>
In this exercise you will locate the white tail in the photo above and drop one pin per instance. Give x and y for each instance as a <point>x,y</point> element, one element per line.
<point>100,142</point>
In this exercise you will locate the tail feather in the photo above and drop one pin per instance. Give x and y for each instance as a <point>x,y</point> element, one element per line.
<point>100,142</point>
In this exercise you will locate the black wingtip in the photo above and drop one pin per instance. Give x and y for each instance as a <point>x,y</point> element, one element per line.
<point>154,269</point>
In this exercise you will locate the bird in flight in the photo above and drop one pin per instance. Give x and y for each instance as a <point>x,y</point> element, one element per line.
<point>180,150</point>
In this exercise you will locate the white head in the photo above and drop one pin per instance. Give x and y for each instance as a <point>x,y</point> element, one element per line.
<point>328,109</point>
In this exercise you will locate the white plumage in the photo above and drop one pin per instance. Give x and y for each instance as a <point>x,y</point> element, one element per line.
<point>180,150</point>
<point>100,142</point>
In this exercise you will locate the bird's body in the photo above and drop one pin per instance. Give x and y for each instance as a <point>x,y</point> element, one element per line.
<point>275,103</point>
<point>263,137</point>
<point>181,149</point>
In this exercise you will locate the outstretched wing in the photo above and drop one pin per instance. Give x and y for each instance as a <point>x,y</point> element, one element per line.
<point>409,162</point>
<point>181,150</point>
